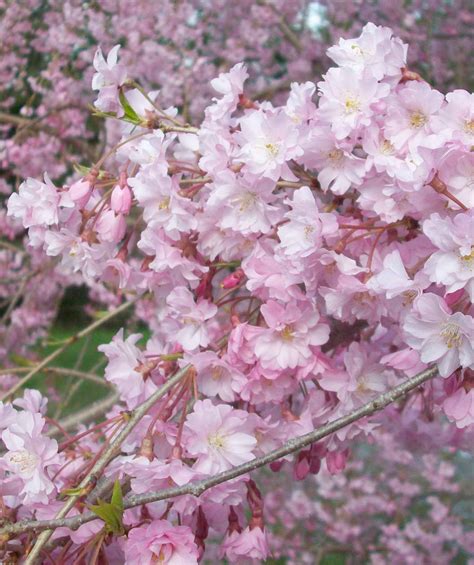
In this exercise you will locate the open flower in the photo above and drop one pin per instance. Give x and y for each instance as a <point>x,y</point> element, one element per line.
<point>440,336</point>
<point>29,454</point>
<point>292,330</point>
<point>160,542</point>
<point>220,436</point>
<point>109,76</point>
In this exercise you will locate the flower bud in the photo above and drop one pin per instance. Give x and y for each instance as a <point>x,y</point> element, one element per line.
<point>121,200</point>
<point>80,192</point>
<point>233,279</point>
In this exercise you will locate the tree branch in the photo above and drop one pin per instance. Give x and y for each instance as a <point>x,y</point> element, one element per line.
<point>109,453</point>
<point>198,487</point>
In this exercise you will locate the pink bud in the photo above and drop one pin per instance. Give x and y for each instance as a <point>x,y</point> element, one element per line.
<point>233,280</point>
<point>80,192</point>
<point>336,461</point>
<point>275,466</point>
<point>121,200</point>
<point>302,467</point>
<point>111,227</point>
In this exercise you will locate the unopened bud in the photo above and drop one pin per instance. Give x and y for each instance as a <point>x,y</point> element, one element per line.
<point>233,280</point>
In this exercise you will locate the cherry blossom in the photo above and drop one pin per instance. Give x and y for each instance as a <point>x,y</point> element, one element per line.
<point>162,542</point>
<point>219,436</point>
<point>439,335</point>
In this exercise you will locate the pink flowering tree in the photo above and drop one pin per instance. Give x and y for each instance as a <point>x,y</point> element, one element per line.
<point>282,271</point>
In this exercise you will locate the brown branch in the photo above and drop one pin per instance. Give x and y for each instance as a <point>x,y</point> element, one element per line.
<point>197,488</point>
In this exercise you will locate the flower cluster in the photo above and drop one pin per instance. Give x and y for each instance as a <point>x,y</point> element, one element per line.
<point>294,261</point>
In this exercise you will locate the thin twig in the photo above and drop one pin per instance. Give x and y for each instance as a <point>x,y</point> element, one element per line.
<point>47,360</point>
<point>110,452</point>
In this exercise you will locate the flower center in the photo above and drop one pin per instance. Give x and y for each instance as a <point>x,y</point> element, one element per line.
<point>287,333</point>
<point>216,440</point>
<point>336,155</point>
<point>467,261</point>
<point>246,201</point>
<point>272,148</point>
<point>351,105</point>
<point>216,373</point>
<point>308,230</point>
<point>160,558</point>
<point>418,120</point>
<point>469,127</point>
<point>164,204</point>
<point>386,148</point>
<point>356,48</point>
<point>409,296</point>
<point>451,335</point>
<point>362,384</point>
<point>24,460</point>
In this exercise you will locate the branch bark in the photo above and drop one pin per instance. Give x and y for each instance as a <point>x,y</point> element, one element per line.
<point>198,487</point>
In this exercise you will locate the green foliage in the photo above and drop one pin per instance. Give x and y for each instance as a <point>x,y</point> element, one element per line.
<point>111,512</point>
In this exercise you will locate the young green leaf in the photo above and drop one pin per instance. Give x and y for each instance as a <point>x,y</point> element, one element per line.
<point>111,512</point>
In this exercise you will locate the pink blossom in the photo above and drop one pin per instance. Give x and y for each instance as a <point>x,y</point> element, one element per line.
<point>217,377</point>
<point>160,542</point>
<point>375,51</point>
<point>230,85</point>
<point>456,170</point>
<point>121,200</point>
<point>29,455</point>
<point>300,106</point>
<point>127,369</point>
<point>110,227</point>
<point>243,204</point>
<point>250,543</point>
<point>410,116</point>
<point>292,330</point>
<point>459,407</point>
<point>220,436</point>
<point>268,140</point>
<point>307,226</point>
<point>362,380</point>
<point>438,335</point>
<point>347,99</point>
<point>109,76</point>
<point>36,203</point>
<point>453,264</point>
<point>32,401</point>
<point>80,192</point>
<point>457,117</point>
<point>7,415</point>
<point>393,279</point>
<point>338,168</point>
<point>162,205</point>
<point>192,317</point>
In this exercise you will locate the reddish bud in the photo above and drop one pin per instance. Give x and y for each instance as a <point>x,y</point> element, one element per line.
<point>234,279</point>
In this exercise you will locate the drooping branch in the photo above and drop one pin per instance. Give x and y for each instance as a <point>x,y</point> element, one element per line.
<point>109,453</point>
<point>198,487</point>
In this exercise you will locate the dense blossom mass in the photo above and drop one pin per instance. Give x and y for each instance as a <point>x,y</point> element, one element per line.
<point>290,264</point>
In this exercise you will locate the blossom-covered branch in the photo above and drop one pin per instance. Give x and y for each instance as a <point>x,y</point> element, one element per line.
<point>197,488</point>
